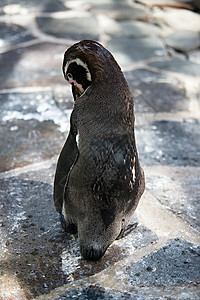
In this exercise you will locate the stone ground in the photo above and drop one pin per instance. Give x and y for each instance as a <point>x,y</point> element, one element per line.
<point>158,48</point>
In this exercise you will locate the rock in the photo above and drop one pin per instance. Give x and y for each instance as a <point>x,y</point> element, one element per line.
<point>63,97</point>
<point>28,6</point>
<point>27,214</point>
<point>175,264</point>
<point>178,66</point>
<point>174,18</point>
<point>12,34</point>
<point>36,65</point>
<point>177,189</point>
<point>73,28</point>
<point>169,143</point>
<point>127,50</point>
<point>131,29</point>
<point>120,10</point>
<point>38,106</point>
<point>183,40</point>
<point>27,142</point>
<point>167,2</point>
<point>94,292</point>
<point>194,56</point>
<point>140,105</point>
<point>32,123</point>
<point>160,93</point>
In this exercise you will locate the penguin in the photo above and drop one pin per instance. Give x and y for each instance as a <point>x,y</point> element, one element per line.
<point>99,179</point>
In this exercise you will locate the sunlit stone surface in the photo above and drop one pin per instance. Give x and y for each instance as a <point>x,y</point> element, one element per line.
<point>159,259</point>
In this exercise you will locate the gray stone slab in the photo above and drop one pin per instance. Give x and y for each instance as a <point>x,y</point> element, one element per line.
<point>127,50</point>
<point>194,56</point>
<point>27,6</point>
<point>12,34</point>
<point>140,105</point>
<point>93,292</point>
<point>31,129</point>
<point>178,66</point>
<point>27,238</point>
<point>166,2</point>
<point>74,28</point>
<point>183,40</point>
<point>175,264</point>
<point>25,142</point>
<point>178,190</point>
<point>174,18</point>
<point>120,10</point>
<point>36,249</point>
<point>132,29</point>
<point>40,106</point>
<point>159,92</point>
<point>63,97</point>
<point>36,65</point>
<point>169,143</point>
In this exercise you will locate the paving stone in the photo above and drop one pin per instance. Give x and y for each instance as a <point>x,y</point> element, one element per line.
<point>183,40</point>
<point>120,10</point>
<point>33,126</point>
<point>127,50</point>
<point>37,256</point>
<point>11,34</point>
<point>40,106</point>
<point>140,105</point>
<point>161,93</point>
<point>25,142</point>
<point>178,66</point>
<point>36,65</point>
<point>167,2</point>
<point>176,263</point>
<point>177,189</point>
<point>63,97</point>
<point>96,292</point>
<point>43,175</point>
<point>132,29</point>
<point>11,7</point>
<point>74,28</point>
<point>35,248</point>
<point>194,56</point>
<point>169,143</point>
<point>174,18</point>
<point>27,237</point>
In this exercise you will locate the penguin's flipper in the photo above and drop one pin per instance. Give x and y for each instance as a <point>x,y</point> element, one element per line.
<point>70,228</point>
<point>66,160</point>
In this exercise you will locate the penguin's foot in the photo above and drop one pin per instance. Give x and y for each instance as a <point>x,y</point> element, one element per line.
<point>130,228</point>
<point>125,231</point>
<point>70,228</point>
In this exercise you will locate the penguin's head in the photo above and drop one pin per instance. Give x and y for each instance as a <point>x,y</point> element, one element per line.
<point>95,237</point>
<point>76,72</point>
<point>88,62</point>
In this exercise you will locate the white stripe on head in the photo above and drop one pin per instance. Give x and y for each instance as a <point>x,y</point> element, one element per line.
<point>79,62</point>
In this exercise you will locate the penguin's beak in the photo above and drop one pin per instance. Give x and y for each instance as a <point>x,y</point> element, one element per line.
<point>76,91</point>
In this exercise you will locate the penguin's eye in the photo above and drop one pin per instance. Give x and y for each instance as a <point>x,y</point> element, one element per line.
<point>69,75</point>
